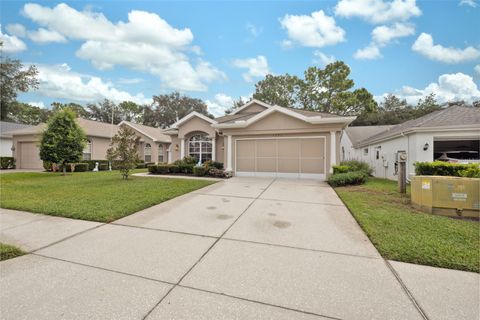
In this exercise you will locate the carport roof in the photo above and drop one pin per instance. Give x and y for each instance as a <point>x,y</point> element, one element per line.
<point>454,117</point>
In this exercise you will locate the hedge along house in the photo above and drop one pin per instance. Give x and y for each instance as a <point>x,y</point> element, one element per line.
<point>151,148</point>
<point>259,139</point>
<point>451,134</point>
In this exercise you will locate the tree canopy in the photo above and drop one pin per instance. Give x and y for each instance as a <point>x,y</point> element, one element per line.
<point>63,140</point>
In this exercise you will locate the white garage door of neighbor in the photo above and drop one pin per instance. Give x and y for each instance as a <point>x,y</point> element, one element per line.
<point>296,157</point>
<point>29,156</point>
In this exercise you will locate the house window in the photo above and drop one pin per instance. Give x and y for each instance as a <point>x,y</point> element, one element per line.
<point>148,153</point>
<point>200,147</point>
<point>160,153</point>
<point>87,152</point>
<point>365,152</point>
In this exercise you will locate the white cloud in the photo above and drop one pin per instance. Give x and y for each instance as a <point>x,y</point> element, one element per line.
<point>316,30</point>
<point>322,59</point>
<point>253,29</point>
<point>219,104</point>
<point>38,104</point>
<point>477,69</point>
<point>43,35</point>
<point>58,81</point>
<point>425,46</point>
<point>378,11</point>
<point>11,44</point>
<point>449,87</point>
<point>470,3</point>
<point>16,29</point>
<point>130,80</point>
<point>257,67</point>
<point>383,35</point>
<point>145,43</point>
<point>370,52</point>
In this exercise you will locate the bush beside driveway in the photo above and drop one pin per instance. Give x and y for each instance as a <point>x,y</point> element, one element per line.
<point>94,196</point>
<point>402,233</point>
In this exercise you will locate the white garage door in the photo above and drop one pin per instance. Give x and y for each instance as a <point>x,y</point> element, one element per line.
<point>29,156</point>
<point>299,157</point>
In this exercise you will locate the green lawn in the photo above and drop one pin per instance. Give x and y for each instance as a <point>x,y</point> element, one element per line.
<point>95,196</point>
<point>404,234</point>
<point>9,252</point>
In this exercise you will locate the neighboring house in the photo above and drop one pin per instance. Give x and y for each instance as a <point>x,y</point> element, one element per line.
<point>451,131</point>
<point>256,140</point>
<point>259,139</point>
<point>353,135</point>
<point>6,140</point>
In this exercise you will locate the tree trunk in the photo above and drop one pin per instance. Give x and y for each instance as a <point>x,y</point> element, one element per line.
<point>64,169</point>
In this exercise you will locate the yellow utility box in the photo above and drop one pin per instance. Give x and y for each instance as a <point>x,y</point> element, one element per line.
<point>449,196</point>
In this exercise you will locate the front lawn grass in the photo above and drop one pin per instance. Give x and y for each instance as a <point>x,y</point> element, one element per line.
<point>95,196</point>
<point>8,252</point>
<point>404,234</point>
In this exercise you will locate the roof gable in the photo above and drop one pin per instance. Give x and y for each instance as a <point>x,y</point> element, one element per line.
<point>253,104</point>
<point>191,115</point>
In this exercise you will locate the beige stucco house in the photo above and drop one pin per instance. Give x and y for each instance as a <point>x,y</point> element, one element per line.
<point>262,140</point>
<point>257,139</point>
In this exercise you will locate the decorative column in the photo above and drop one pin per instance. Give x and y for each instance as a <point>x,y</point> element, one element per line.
<point>214,149</point>
<point>170,153</point>
<point>229,153</point>
<point>333,150</point>
<point>182,148</point>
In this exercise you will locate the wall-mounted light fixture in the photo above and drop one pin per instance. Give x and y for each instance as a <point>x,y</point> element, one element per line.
<point>176,147</point>
<point>12,148</point>
<point>425,147</point>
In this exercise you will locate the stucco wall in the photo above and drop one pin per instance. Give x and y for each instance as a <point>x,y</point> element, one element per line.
<point>195,124</point>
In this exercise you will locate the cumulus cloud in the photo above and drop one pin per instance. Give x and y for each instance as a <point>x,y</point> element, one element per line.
<point>425,46</point>
<point>470,3</point>
<point>256,67</point>
<point>370,52</point>
<point>220,103</point>
<point>10,43</point>
<point>253,29</point>
<point>449,87</point>
<point>46,36</point>
<point>383,35</point>
<point>322,59</point>
<point>477,69</point>
<point>316,30</point>
<point>378,11</point>
<point>16,29</point>
<point>38,104</point>
<point>145,43</point>
<point>60,82</point>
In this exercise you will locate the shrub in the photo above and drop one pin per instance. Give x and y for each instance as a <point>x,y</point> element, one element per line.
<point>440,168</point>
<point>355,165</point>
<point>78,167</point>
<point>102,166</point>
<point>199,171</point>
<point>190,161</point>
<point>7,162</point>
<point>162,169</point>
<point>217,173</point>
<point>348,178</point>
<point>152,168</point>
<point>213,164</point>
<point>185,168</point>
<point>47,165</point>
<point>341,169</point>
<point>173,168</point>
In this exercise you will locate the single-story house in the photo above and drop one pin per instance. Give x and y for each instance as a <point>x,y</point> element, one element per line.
<point>450,134</point>
<point>6,139</point>
<point>257,139</point>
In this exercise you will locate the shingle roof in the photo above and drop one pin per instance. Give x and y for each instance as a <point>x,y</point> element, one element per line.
<point>357,134</point>
<point>454,116</point>
<point>6,128</point>
<point>246,116</point>
<point>155,133</point>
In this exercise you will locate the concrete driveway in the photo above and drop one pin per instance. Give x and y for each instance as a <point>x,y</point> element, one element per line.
<point>246,248</point>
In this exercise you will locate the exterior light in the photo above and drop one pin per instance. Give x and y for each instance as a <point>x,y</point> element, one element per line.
<point>176,147</point>
<point>425,147</point>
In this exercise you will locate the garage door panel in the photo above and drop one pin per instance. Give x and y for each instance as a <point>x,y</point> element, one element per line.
<point>30,156</point>
<point>286,165</point>
<point>289,148</point>
<point>312,166</point>
<point>312,148</point>
<point>266,148</point>
<point>246,148</point>
<point>246,164</point>
<point>267,164</point>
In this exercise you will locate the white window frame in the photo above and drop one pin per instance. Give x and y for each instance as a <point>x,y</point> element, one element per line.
<point>161,156</point>
<point>87,150</point>
<point>147,151</point>
<point>203,143</point>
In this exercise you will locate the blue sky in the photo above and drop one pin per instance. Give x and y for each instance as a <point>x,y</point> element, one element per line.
<point>216,51</point>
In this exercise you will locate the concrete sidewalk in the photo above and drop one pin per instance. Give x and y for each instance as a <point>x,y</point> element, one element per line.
<point>245,248</point>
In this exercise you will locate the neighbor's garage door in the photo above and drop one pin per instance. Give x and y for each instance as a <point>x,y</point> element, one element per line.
<point>29,156</point>
<point>281,157</point>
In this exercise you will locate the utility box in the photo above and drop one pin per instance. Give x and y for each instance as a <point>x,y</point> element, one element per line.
<point>449,196</point>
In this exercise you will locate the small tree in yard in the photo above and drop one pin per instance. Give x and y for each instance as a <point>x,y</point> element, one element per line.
<point>63,140</point>
<point>124,150</point>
